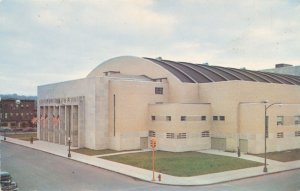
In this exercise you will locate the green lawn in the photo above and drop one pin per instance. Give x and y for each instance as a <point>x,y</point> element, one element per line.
<point>283,156</point>
<point>23,136</point>
<point>184,163</point>
<point>92,152</point>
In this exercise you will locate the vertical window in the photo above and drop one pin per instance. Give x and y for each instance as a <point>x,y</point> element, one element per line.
<point>280,135</point>
<point>170,136</point>
<point>215,118</point>
<point>168,118</point>
<point>279,120</point>
<point>153,118</point>
<point>159,90</point>
<point>222,118</point>
<point>297,133</point>
<point>152,134</point>
<point>203,118</point>
<point>5,115</point>
<point>181,136</point>
<point>183,118</point>
<point>297,120</point>
<point>205,134</point>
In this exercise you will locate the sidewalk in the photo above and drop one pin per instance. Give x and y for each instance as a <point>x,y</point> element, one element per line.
<point>146,175</point>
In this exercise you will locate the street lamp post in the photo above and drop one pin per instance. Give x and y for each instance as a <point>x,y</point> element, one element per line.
<point>266,129</point>
<point>69,143</point>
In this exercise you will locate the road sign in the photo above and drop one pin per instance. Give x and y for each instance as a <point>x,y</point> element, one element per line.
<point>153,142</point>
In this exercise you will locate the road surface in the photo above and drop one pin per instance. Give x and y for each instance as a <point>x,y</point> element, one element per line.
<point>39,171</point>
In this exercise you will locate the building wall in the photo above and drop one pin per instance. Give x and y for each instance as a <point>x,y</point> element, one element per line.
<point>17,114</point>
<point>94,128</point>
<point>290,70</point>
<point>252,126</point>
<point>226,98</point>
<point>177,134</point>
<point>128,118</point>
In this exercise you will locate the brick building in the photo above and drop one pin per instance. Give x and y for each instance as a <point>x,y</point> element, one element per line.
<point>17,113</point>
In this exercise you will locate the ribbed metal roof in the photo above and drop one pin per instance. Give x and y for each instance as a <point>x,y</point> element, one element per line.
<point>201,73</point>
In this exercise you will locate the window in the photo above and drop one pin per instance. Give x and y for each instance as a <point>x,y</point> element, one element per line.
<point>168,118</point>
<point>5,115</point>
<point>152,134</point>
<point>222,118</point>
<point>297,133</point>
<point>205,134</point>
<point>181,136</point>
<point>153,118</point>
<point>280,135</point>
<point>183,118</point>
<point>215,118</point>
<point>279,120</point>
<point>170,136</point>
<point>203,118</point>
<point>159,90</point>
<point>297,120</point>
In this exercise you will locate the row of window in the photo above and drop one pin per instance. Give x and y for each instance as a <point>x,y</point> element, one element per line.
<point>281,121</point>
<point>12,114</point>
<point>281,135</point>
<point>187,118</point>
<point>13,106</point>
<point>179,135</point>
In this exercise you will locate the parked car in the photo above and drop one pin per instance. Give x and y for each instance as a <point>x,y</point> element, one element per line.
<point>5,129</point>
<point>6,182</point>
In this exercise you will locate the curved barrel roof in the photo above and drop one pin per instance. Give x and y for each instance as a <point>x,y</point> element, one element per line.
<point>201,73</point>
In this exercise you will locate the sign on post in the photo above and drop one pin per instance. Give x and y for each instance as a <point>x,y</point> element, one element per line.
<point>153,142</point>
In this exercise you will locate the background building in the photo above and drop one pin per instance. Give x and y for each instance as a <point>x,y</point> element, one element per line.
<point>285,69</point>
<point>126,100</point>
<point>17,113</point>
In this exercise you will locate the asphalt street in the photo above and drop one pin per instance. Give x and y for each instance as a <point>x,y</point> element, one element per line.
<point>39,171</point>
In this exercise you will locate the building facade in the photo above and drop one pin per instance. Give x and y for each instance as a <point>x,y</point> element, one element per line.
<point>17,113</point>
<point>285,69</point>
<point>126,100</point>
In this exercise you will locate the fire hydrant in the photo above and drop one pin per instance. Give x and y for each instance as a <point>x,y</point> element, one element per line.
<point>159,177</point>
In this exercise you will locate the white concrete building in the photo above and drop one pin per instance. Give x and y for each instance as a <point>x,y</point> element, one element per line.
<point>126,100</point>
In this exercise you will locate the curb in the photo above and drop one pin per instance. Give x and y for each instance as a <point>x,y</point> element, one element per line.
<point>156,182</point>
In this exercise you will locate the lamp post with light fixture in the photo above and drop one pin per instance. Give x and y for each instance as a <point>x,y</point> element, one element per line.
<point>266,129</point>
<point>69,143</point>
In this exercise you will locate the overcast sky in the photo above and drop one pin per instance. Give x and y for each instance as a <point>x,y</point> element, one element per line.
<point>49,41</point>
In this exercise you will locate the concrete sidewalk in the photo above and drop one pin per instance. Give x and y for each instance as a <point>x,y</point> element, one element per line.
<point>146,175</point>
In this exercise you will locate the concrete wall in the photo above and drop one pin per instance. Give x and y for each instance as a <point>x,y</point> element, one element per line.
<point>192,126</point>
<point>131,111</point>
<point>94,132</point>
<point>226,98</point>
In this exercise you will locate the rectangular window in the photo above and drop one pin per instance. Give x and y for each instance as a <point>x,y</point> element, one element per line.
<point>203,118</point>
<point>280,135</point>
<point>215,118</point>
<point>222,118</point>
<point>170,136</point>
<point>168,118</point>
<point>297,120</point>
<point>159,90</point>
<point>183,118</point>
<point>297,133</point>
<point>152,134</point>
<point>153,118</point>
<point>205,134</point>
<point>279,120</point>
<point>5,115</point>
<point>181,136</point>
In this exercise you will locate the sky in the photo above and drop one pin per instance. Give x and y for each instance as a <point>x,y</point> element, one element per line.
<point>48,41</point>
